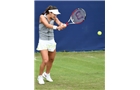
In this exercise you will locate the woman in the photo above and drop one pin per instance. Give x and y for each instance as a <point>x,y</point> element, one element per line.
<point>47,44</point>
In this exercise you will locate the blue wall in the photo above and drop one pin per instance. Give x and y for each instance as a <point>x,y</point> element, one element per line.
<point>81,37</point>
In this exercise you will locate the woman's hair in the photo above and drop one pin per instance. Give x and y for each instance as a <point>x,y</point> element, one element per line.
<point>49,8</point>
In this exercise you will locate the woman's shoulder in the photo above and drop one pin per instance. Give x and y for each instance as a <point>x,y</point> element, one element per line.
<point>41,16</point>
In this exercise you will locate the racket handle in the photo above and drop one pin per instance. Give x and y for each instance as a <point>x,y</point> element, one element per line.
<point>67,23</point>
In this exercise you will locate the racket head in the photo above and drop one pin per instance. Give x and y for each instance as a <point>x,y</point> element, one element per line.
<point>77,16</point>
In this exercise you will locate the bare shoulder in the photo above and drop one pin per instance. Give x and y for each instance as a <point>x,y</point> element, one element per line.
<point>41,16</point>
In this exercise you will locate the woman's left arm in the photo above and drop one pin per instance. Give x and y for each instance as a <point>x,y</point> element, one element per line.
<point>58,21</point>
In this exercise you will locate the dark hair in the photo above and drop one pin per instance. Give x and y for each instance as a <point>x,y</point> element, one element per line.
<point>49,8</point>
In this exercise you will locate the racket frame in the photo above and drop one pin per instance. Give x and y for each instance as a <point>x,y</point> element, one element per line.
<point>70,19</point>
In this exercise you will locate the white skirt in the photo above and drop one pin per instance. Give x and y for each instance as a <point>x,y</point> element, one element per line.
<point>49,45</point>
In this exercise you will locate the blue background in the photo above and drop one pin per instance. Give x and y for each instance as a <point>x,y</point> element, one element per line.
<point>80,37</point>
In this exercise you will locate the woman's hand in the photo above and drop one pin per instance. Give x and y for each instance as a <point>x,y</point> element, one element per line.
<point>62,26</point>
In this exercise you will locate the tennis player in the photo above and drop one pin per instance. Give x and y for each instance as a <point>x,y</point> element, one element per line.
<point>47,44</point>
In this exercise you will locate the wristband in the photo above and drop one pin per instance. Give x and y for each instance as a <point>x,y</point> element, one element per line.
<point>54,27</point>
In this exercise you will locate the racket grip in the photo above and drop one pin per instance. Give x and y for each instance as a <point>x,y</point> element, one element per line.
<point>67,23</point>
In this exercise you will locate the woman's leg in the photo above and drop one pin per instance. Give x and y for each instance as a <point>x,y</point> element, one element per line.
<point>44,54</point>
<point>49,66</point>
<point>50,62</point>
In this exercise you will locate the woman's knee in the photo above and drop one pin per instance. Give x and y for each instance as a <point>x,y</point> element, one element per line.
<point>45,61</point>
<point>51,60</point>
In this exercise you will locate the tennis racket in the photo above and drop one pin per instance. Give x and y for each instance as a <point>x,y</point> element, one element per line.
<point>77,16</point>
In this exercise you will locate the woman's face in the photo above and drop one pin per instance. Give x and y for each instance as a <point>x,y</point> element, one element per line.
<point>53,16</point>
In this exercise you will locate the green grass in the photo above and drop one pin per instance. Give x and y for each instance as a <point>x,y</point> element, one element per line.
<point>74,71</point>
